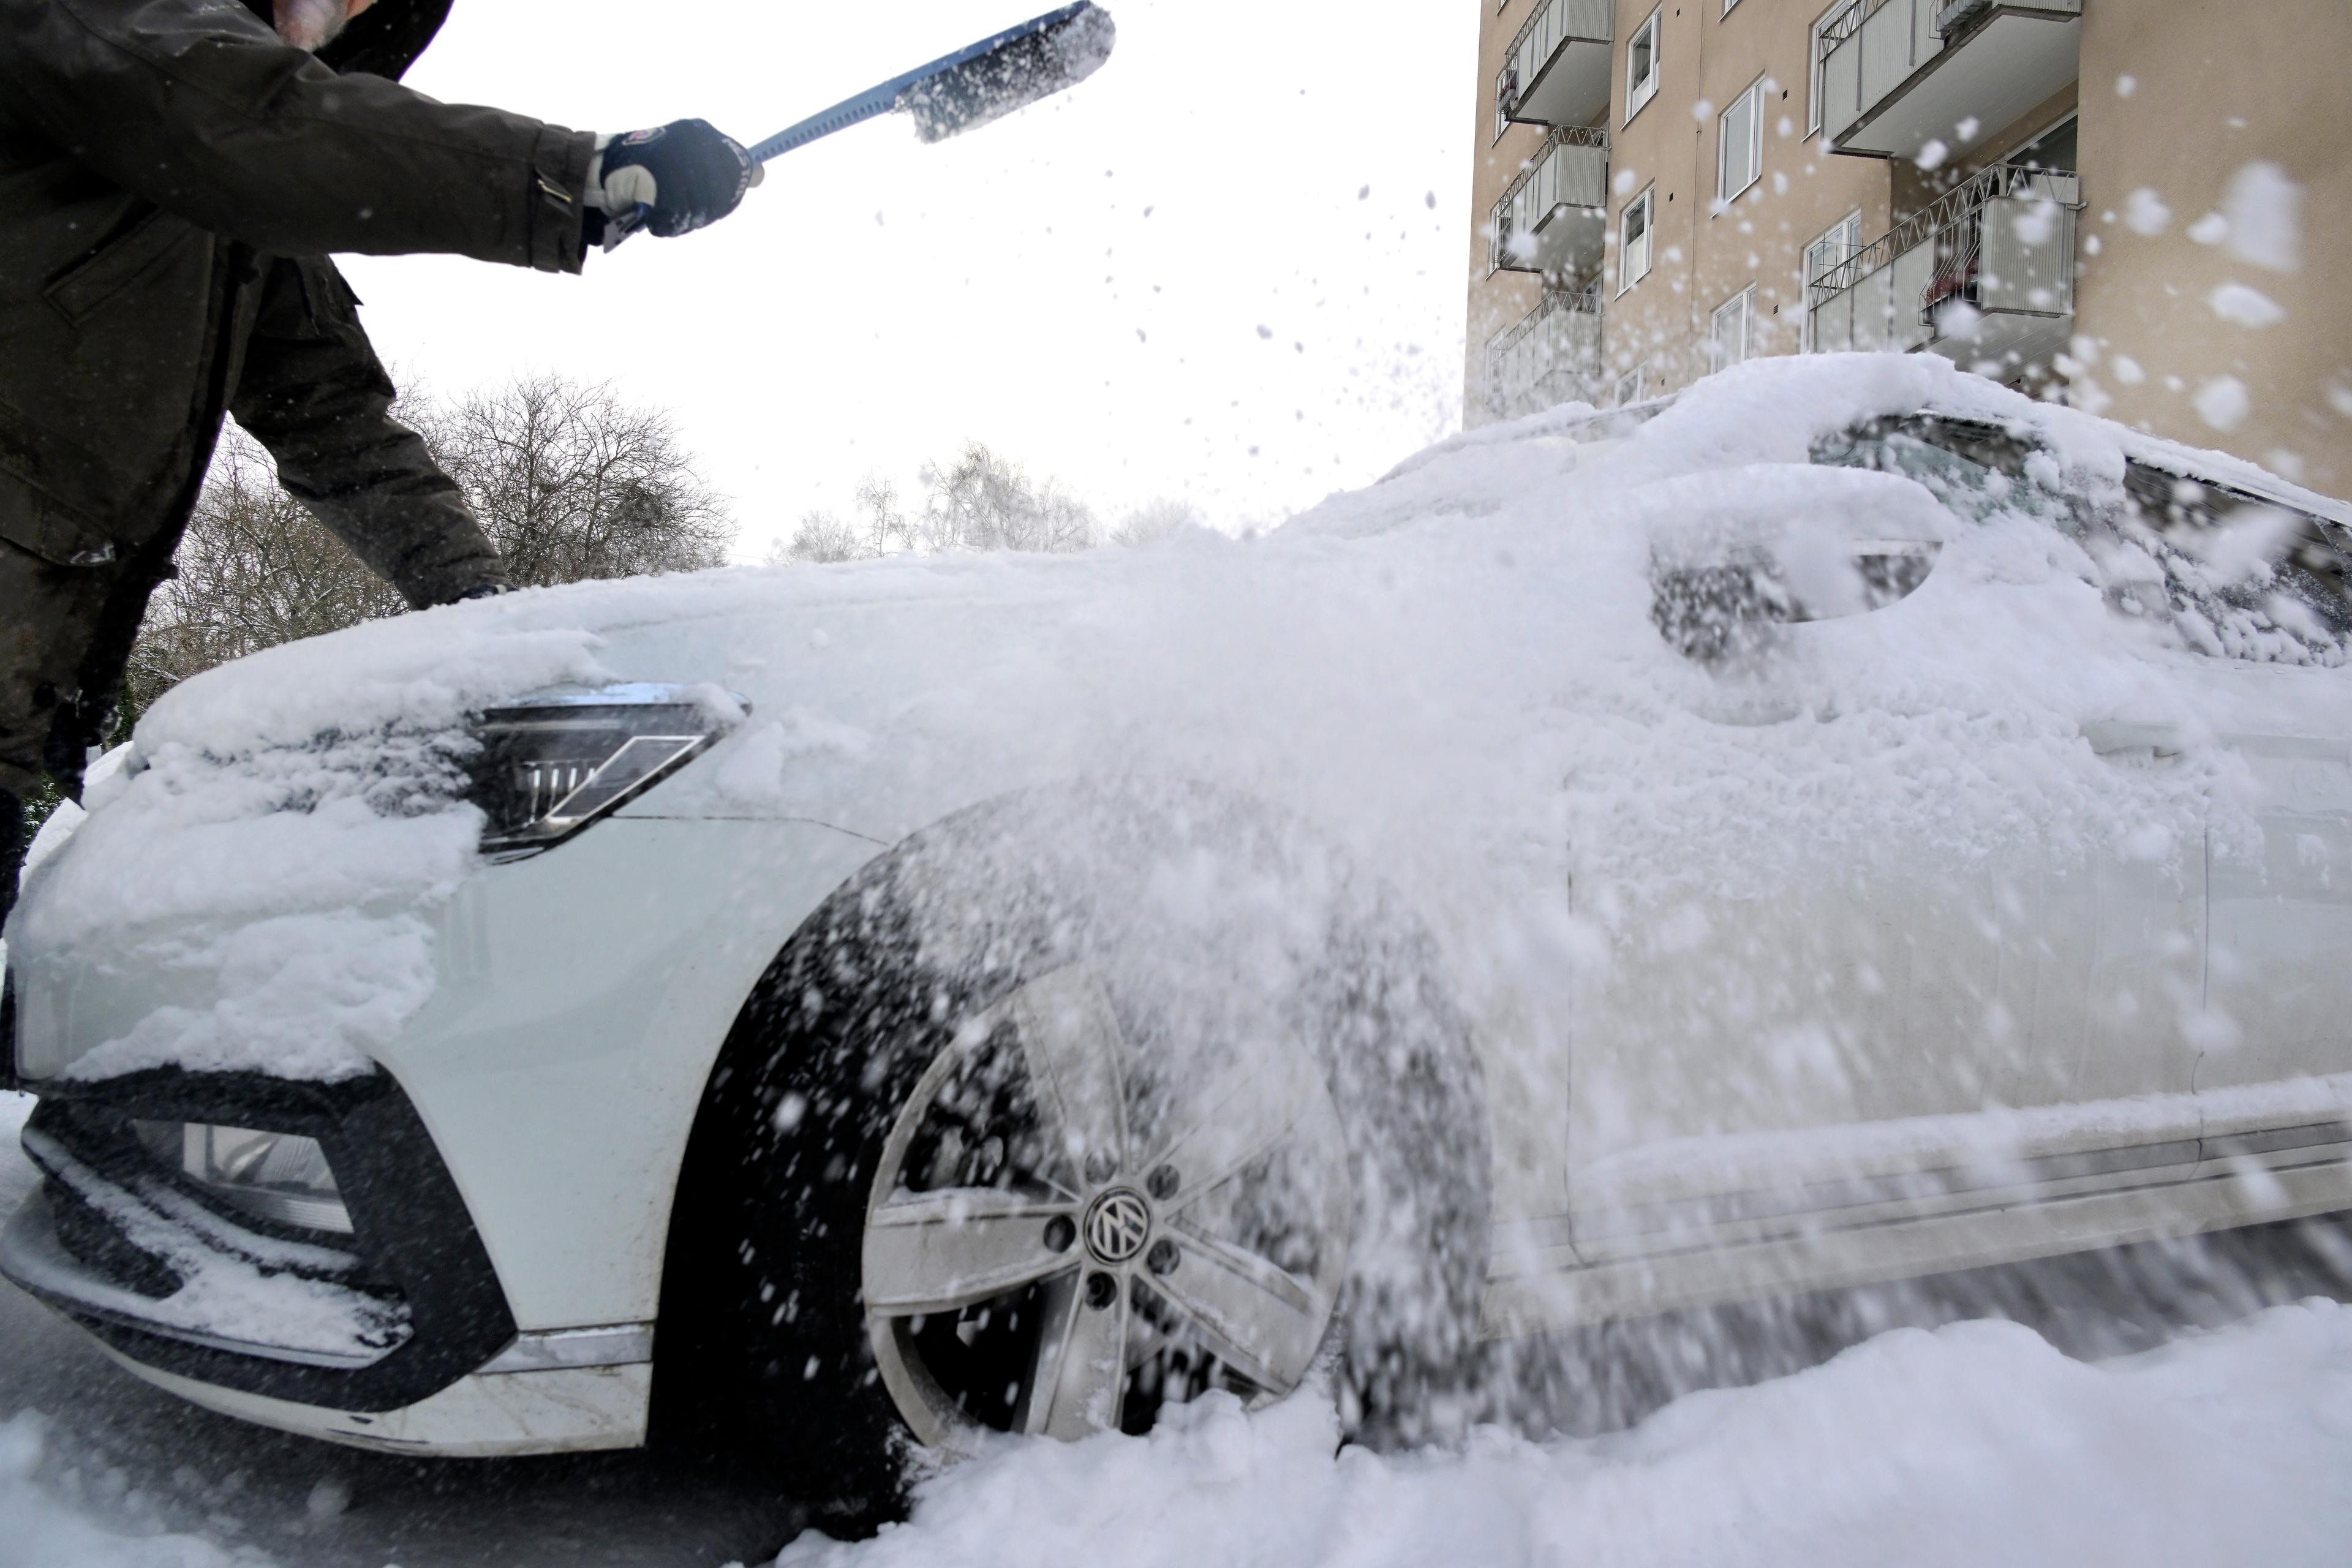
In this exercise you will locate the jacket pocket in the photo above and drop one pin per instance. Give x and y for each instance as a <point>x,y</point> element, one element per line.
<point>334,309</point>
<point>120,261</point>
<point>31,517</point>
<point>31,522</point>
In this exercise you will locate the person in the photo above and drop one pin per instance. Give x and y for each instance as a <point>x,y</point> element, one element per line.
<point>174,176</point>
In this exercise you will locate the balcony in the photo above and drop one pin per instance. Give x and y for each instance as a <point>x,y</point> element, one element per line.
<point>1553,218</point>
<point>1985,273</point>
<point>1557,72</point>
<point>1551,356</point>
<point>1898,74</point>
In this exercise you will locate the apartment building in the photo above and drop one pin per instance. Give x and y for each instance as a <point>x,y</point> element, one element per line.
<point>2138,205</point>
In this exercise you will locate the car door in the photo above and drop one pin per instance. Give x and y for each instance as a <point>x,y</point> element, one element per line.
<point>2259,593</point>
<point>1803,1084</point>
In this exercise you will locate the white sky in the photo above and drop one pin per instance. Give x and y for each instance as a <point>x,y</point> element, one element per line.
<point>1081,286</point>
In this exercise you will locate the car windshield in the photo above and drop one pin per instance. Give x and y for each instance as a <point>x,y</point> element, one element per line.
<point>1975,468</point>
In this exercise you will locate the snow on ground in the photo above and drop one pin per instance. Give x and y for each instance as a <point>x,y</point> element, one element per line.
<point>1976,1444</point>
<point>71,1520</point>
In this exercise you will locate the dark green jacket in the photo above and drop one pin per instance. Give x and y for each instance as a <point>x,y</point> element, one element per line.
<point>172,178</point>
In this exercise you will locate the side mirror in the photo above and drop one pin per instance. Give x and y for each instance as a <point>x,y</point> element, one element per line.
<point>1716,600</point>
<point>1806,544</point>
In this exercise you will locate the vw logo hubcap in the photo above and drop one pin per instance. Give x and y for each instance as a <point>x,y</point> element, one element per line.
<point>1118,1224</point>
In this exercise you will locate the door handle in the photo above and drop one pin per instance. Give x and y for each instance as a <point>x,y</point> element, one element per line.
<point>2127,737</point>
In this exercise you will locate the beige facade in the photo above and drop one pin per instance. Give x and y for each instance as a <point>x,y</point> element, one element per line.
<point>2025,188</point>
<point>2207,102</point>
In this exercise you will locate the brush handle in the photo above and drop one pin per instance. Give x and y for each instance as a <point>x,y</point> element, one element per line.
<point>883,96</point>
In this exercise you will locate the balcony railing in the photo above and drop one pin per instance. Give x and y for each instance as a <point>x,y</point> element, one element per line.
<point>1552,355</point>
<point>2001,243</point>
<point>1568,174</point>
<point>1880,97</point>
<point>1557,69</point>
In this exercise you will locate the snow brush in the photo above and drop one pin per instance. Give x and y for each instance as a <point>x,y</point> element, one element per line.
<point>973,86</point>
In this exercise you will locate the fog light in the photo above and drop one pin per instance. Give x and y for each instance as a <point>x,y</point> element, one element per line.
<point>280,1176</point>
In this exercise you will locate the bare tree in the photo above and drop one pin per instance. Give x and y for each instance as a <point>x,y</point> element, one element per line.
<point>880,527</point>
<point>985,502</point>
<point>568,480</point>
<point>820,539</point>
<point>1157,519</point>
<point>571,483</point>
<point>255,569</point>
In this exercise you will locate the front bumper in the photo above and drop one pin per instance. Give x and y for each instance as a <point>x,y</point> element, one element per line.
<point>379,1319</point>
<point>395,1336</point>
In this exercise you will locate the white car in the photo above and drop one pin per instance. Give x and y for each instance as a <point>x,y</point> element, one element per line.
<point>1851,823</point>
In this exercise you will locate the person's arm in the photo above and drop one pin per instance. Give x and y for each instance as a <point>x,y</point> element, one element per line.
<point>201,108</point>
<point>313,393</point>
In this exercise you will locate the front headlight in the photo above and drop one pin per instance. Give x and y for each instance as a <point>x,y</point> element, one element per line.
<point>282,1176</point>
<point>551,765</point>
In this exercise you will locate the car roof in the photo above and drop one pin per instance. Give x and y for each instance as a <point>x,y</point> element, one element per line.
<point>2200,465</point>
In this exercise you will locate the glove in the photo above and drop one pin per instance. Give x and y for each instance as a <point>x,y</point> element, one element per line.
<point>672,179</point>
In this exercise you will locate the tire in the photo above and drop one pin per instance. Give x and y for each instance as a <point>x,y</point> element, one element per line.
<point>1071,1105</point>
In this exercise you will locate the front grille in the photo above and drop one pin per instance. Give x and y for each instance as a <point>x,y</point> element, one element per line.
<point>99,1245</point>
<point>412,1265</point>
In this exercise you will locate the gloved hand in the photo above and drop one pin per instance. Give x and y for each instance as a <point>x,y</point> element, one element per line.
<point>672,179</point>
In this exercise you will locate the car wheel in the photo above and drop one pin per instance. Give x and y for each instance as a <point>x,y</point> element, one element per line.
<point>1071,1107</point>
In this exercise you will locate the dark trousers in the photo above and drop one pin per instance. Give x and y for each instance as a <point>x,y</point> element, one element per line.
<point>65,634</point>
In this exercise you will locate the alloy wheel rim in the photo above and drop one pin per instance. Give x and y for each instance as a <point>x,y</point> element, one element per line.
<point>1094,1245</point>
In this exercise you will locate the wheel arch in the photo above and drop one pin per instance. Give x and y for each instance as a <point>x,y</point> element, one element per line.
<point>798,951</point>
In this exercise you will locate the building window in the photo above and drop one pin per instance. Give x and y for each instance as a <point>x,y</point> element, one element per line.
<point>1633,240</point>
<point>1836,246</point>
<point>1727,339</point>
<point>1739,144</point>
<point>1821,23</point>
<point>1506,93</point>
<point>1642,65</point>
<point>1630,384</point>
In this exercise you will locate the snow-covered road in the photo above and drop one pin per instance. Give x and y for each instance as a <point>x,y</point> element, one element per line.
<point>1975,1443</point>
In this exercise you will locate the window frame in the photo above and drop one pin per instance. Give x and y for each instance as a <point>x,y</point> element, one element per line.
<point>1753,97</point>
<point>1646,201</point>
<point>1745,300</point>
<point>1639,374</point>
<point>1852,224</point>
<point>1495,232</point>
<point>1814,64</point>
<point>1639,93</point>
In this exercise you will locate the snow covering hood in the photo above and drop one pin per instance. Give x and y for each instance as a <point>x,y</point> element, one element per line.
<point>1453,671</point>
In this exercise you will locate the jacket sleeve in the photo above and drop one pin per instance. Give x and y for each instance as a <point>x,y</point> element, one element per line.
<point>202,109</point>
<point>313,392</point>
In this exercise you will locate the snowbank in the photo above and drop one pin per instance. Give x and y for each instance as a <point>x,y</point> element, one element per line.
<point>1973,1444</point>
